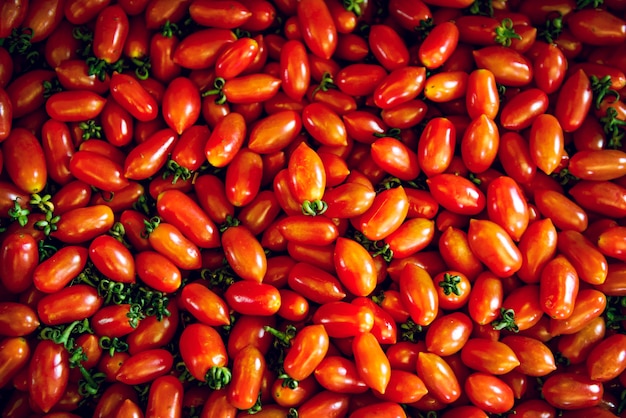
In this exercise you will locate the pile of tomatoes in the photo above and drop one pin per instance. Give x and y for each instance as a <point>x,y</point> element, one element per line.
<point>312,208</point>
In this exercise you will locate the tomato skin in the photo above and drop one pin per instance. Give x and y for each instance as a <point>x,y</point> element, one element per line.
<point>387,47</point>
<point>150,156</point>
<point>589,305</point>
<point>226,140</point>
<point>482,94</point>
<point>575,89</point>
<point>165,398</point>
<point>6,114</point>
<point>61,268</point>
<point>385,215</point>
<point>552,204</point>
<point>248,369</point>
<point>339,374</point>
<point>589,262</point>
<point>418,294</point>
<point>69,304</point>
<point>145,366</point>
<point>308,349</point>
<point>371,362</point>
<point>323,403</point>
<point>16,352</point>
<point>400,86</point>
<point>201,349</point>
<point>24,160</point>
<point>315,284</point>
<point>244,253</point>
<point>504,260</point>
<point>493,357</point>
<point>468,199</point>
<point>48,374</point>
<point>318,28</point>
<point>97,170</point>
<point>193,222</point>
<point>489,393</point>
<point>508,66</point>
<point>17,319</point>
<point>158,271</point>
<point>83,224</point>
<point>582,22</point>
<point>133,97</point>
<point>223,14</point>
<point>110,33</point>
<point>438,376</point>
<point>571,391</point>
<point>601,165</point>
<point>485,298</point>
<point>295,71</point>
<point>253,298</point>
<point>558,288</point>
<point>19,258</point>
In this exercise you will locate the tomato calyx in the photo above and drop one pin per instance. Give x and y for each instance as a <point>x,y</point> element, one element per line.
<point>18,213</point>
<point>600,87</point>
<point>481,8</point>
<point>424,28</point>
<point>551,29</point>
<point>313,208</point>
<point>51,87</point>
<point>391,133</point>
<point>178,172</point>
<point>218,377</point>
<point>450,284</point>
<point>49,224</point>
<point>221,277</point>
<point>615,312</point>
<point>505,32</point>
<point>150,225</point>
<point>354,6</point>
<point>142,67</point>
<point>506,321</point>
<point>282,341</point>
<point>613,128</point>
<point>218,90</point>
<point>113,345</point>
<point>375,248</point>
<point>100,68</point>
<point>19,43</point>
<point>43,203</point>
<point>326,83</point>
<point>45,250</point>
<point>592,4</point>
<point>85,35</point>
<point>411,331</point>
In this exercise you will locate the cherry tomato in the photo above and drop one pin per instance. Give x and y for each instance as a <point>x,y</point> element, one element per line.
<point>489,393</point>
<point>571,391</point>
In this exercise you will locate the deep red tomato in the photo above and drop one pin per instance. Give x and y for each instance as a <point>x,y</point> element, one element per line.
<point>145,366</point>
<point>489,393</point>
<point>165,398</point>
<point>60,269</point>
<point>17,319</point>
<point>318,28</point>
<point>571,391</point>
<point>133,97</point>
<point>83,224</point>
<point>110,33</point>
<point>224,14</point>
<point>18,260</point>
<point>253,298</point>
<point>315,284</point>
<point>16,352</point>
<point>73,303</point>
<point>24,160</point>
<point>457,194</point>
<point>607,359</point>
<point>48,374</point>
<point>575,89</point>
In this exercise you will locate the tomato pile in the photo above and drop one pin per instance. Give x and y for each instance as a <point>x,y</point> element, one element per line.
<point>312,208</point>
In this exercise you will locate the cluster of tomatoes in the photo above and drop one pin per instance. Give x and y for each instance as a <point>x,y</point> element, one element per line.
<point>312,208</point>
